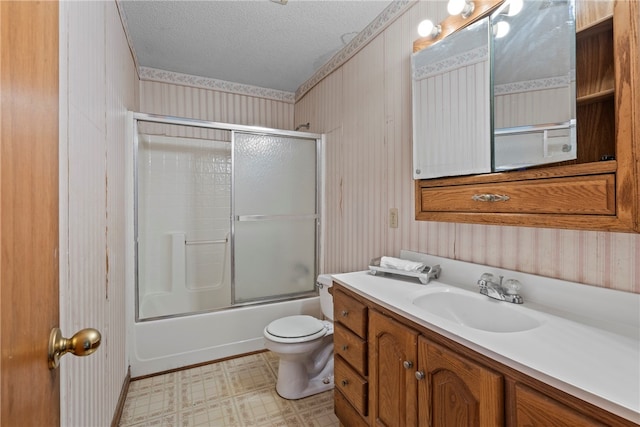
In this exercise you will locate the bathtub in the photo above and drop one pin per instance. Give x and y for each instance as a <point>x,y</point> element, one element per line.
<point>164,344</point>
<point>157,345</point>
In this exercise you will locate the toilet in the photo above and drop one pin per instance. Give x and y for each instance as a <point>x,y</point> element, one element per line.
<point>304,345</point>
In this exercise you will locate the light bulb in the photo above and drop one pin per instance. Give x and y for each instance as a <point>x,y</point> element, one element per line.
<point>427,29</point>
<point>501,29</point>
<point>455,7</point>
<point>515,6</point>
<point>460,7</point>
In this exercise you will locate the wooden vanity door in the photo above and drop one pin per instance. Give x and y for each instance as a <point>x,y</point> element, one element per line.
<point>393,354</point>
<point>534,409</point>
<point>455,391</point>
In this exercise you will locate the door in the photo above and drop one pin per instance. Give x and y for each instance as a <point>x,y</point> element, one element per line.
<point>455,391</point>
<point>29,299</point>
<point>393,353</point>
<point>275,214</point>
<point>535,409</point>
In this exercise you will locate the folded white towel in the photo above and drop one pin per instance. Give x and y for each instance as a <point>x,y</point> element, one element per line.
<point>400,264</point>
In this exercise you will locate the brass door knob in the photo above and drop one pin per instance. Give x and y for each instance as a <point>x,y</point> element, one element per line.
<point>82,343</point>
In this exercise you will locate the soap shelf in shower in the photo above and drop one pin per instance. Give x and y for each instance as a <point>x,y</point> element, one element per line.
<point>425,275</point>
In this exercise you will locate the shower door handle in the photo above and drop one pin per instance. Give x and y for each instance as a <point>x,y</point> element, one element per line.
<point>243,218</point>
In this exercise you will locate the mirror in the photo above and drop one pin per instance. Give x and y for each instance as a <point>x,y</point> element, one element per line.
<point>451,105</point>
<point>534,91</point>
<point>486,99</point>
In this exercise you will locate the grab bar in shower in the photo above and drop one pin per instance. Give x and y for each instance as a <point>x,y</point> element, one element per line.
<point>205,242</point>
<point>243,218</point>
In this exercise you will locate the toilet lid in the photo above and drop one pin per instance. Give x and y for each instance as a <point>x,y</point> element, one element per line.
<point>301,326</point>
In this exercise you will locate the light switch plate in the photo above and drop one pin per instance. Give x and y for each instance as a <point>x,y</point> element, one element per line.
<point>393,218</point>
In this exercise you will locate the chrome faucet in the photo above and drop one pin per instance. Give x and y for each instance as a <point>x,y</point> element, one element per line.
<point>496,290</point>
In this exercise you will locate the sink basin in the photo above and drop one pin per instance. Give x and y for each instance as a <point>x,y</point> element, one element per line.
<point>477,311</point>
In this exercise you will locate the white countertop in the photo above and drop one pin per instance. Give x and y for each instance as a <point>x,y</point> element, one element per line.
<point>588,344</point>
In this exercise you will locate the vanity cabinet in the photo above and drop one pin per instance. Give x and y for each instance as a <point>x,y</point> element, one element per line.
<point>598,191</point>
<point>416,382</point>
<point>350,358</point>
<point>417,377</point>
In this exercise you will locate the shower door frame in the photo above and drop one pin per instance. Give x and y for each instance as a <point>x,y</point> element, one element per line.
<point>233,128</point>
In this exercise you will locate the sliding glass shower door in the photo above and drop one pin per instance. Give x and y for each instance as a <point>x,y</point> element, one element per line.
<point>224,215</point>
<point>275,216</point>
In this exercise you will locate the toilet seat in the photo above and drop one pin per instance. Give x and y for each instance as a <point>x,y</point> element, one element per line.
<point>295,329</point>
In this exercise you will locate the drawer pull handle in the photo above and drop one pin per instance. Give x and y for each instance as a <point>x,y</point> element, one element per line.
<point>344,313</point>
<point>344,383</point>
<point>345,347</point>
<point>407,364</point>
<point>490,197</point>
<point>419,375</point>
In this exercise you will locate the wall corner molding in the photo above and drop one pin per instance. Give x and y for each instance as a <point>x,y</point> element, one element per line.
<point>162,76</point>
<point>386,18</point>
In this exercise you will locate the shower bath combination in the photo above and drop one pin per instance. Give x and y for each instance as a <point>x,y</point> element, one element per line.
<point>211,201</point>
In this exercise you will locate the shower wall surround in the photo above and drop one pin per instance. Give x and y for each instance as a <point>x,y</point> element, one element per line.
<point>184,196</point>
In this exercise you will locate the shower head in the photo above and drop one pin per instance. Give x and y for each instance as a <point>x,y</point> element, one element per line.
<point>304,125</point>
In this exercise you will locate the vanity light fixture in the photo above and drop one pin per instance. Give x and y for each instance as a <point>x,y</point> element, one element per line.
<point>427,29</point>
<point>463,8</point>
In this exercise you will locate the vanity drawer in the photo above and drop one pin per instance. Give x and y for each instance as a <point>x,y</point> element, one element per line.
<point>352,386</point>
<point>592,195</point>
<point>350,312</point>
<point>347,415</point>
<point>351,348</point>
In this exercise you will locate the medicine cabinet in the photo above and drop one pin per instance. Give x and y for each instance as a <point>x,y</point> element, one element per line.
<point>498,94</point>
<point>600,188</point>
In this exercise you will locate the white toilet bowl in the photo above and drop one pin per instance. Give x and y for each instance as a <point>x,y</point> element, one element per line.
<point>304,346</point>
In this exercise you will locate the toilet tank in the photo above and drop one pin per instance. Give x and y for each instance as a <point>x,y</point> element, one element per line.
<point>324,282</point>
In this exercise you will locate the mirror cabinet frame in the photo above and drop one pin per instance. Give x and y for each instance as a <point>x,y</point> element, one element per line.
<point>588,194</point>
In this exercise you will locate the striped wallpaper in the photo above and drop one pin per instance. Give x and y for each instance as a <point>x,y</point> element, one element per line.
<point>97,87</point>
<point>213,105</point>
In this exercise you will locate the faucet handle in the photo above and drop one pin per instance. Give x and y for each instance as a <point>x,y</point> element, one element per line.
<point>512,286</point>
<point>487,277</point>
<point>485,280</point>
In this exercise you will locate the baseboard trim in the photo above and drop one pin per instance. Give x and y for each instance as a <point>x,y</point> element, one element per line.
<point>121,400</point>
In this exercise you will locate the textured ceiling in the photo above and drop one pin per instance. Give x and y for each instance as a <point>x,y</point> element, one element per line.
<point>259,43</point>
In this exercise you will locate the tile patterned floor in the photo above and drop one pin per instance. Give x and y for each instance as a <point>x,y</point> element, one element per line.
<point>234,393</point>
